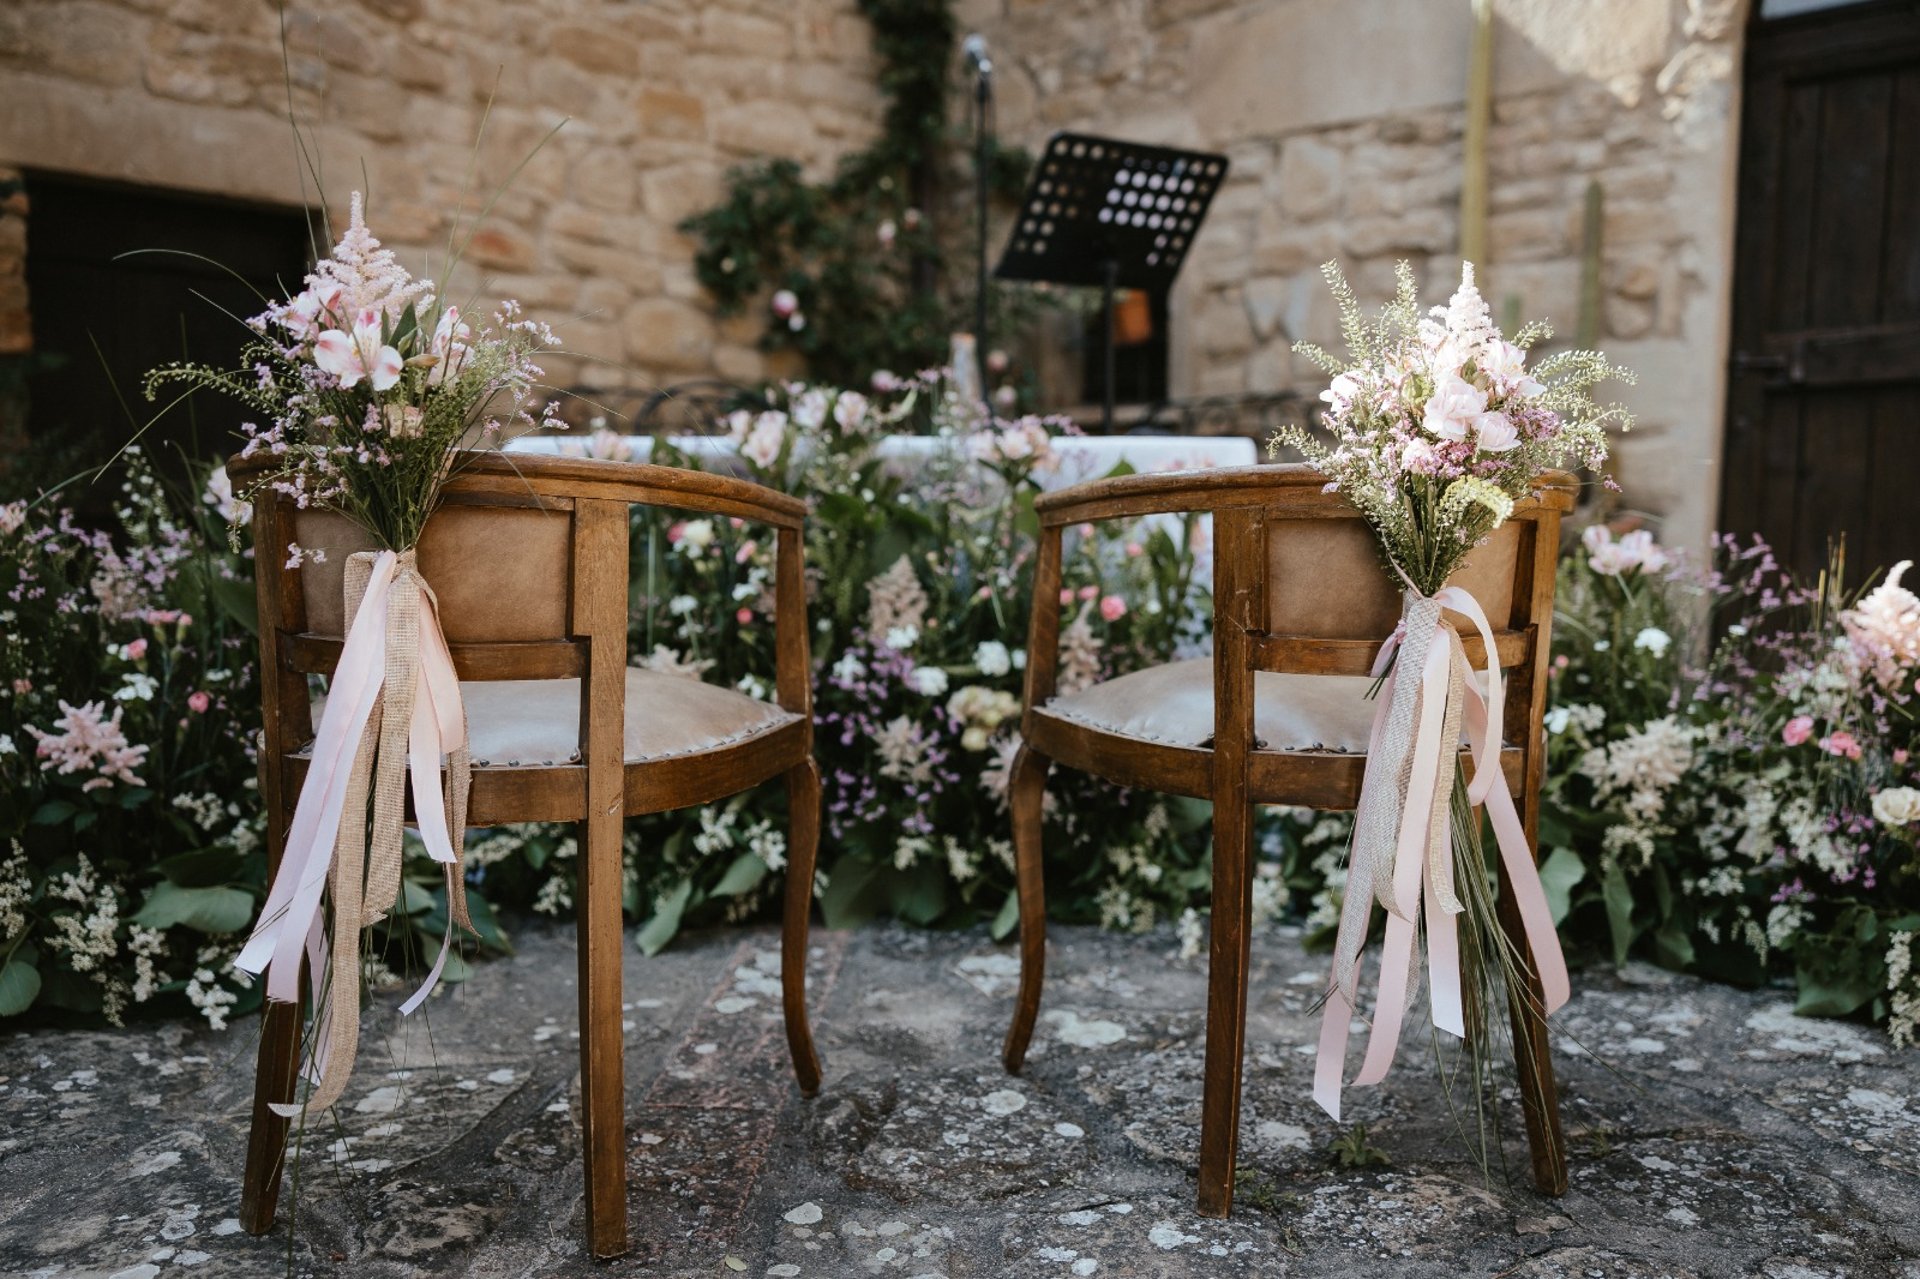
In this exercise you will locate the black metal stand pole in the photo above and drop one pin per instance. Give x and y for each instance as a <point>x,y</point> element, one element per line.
<point>982,142</point>
<point>1112,268</point>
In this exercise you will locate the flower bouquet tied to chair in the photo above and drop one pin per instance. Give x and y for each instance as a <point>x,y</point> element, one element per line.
<point>371,390</point>
<point>1434,431</point>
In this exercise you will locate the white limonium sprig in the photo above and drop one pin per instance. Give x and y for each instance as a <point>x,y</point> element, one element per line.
<point>1436,425</point>
<point>367,383</point>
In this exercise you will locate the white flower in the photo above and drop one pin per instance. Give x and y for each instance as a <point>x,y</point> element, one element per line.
<point>7,747</point>
<point>849,667</point>
<point>219,495</point>
<point>1506,365</point>
<point>762,445</point>
<point>850,410</point>
<point>1557,720</point>
<point>135,686</point>
<point>1896,806</point>
<point>360,354</point>
<point>992,658</point>
<point>1653,640</point>
<point>901,638</point>
<point>1453,408</point>
<point>1495,433</point>
<point>1343,388</point>
<point>1884,627</point>
<point>696,535</point>
<point>928,681</point>
<point>810,410</point>
<point>753,687</point>
<point>682,605</point>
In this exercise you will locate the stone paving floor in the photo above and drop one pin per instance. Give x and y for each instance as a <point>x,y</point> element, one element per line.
<point>1723,1136</point>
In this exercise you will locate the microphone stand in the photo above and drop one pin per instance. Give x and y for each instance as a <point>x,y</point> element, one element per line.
<point>982,142</point>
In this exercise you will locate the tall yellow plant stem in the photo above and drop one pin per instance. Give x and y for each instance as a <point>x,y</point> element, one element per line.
<point>1473,182</point>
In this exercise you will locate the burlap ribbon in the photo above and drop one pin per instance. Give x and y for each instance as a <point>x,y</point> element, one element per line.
<point>1403,838</point>
<point>393,708</point>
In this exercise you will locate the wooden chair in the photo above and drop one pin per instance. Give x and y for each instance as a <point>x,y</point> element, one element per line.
<point>528,558</point>
<point>1278,716</point>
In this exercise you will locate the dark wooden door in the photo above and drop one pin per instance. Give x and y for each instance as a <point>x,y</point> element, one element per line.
<point>101,319</point>
<point>1823,430</point>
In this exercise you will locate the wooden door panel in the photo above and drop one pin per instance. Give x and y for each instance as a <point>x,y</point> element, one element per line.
<point>1823,404</point>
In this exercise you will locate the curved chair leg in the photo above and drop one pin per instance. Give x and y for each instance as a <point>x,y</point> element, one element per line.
<point>1025,794</point>
<point>803,843</point>
<point>1230,935</point>
<point>602,1066</point>
<point>275,1079</point>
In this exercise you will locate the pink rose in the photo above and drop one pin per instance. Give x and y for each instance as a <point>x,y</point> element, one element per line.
<point>744,616</point>
<point>1088,592</point>
<point>1113,608</point>
<point>21,687</point>
<point>1066,596</point>
<point>1841,744</point>
<point>1135,550</point>
<point>136,650</point>
<point>745,553</point>
<point>1798,730</point>
<point>198,702</point>
<point>1453,408</point>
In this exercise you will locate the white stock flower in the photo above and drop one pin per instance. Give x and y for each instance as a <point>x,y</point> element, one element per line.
<point>1453,408</point>
<point>992,658</point>
<point>901,638</point>
<point>928,681</point>
<point>1896,806</point>
<point>762,445</point>
<point>1653,640</point>
<point>696,535</point>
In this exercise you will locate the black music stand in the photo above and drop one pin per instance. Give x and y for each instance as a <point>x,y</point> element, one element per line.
<point>1111,215</point>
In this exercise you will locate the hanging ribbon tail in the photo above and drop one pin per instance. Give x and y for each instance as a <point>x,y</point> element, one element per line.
<point>1336,1021</point>
<point>439,730</point>
<point>1486,741</point>
<point>1523,875</point>
<point>279,939</point>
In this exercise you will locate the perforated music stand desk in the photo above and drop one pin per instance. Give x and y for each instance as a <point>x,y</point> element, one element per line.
<point>1110,214</point>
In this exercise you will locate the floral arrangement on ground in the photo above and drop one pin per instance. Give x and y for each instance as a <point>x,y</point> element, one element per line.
<point>1742,807</point>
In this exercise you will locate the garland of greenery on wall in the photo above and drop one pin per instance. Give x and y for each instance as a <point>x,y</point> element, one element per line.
<point>861,271</point>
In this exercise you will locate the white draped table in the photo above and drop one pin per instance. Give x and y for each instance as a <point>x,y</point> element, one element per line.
<point>1078,457</point>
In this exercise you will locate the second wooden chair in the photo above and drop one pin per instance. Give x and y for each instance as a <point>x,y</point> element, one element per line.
<point>1278,716</point>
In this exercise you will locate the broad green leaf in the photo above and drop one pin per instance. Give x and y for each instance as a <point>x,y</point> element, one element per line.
<point>53,812</point>
<point>852,894</point>
<point>659,930</point>
<point>746,873</point>
<point>1008,918</point>
<point>919,895</point>
<point>1619,899</point>
<point>1558,874</point>
<point>19,983</point>
<point>202,868</point>
<point>212,909</point>
<point>236,600</point>
<point>1672,948</point>
<point>415,897</point>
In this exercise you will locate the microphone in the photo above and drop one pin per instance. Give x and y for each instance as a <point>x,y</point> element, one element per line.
<point>975,48</point>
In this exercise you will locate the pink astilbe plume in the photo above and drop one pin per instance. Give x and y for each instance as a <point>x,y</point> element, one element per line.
<point>88,742</point>
<point>366,274</point>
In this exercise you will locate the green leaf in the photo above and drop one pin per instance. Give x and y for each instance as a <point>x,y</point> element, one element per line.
<point>53,812</point>
<point>919,895</point>
<point>1827,990</point>
<point>1120,468</point>
<point>487,924</point>
<point>746,873</point>
<point>202,868</point>
<point>236,599</point>
<point>1008,918</point>
<point>1618,896</point>
<point>19,982</point>
<point>415,897</point>
<point>1558,874</point>
<point>852,894</point>
<point>659,930</point>
<point>1672,948</point>
<point>212,909</point>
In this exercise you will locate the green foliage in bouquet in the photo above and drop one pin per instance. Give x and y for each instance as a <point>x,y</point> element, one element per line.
<point>1747,814</point>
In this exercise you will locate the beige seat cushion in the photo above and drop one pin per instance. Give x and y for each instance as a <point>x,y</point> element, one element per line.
<point>1173,705</point>
<point>536,722</point>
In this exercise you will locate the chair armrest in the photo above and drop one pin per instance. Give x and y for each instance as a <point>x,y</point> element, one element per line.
<point>641,483</point>
<point>1288,487</point>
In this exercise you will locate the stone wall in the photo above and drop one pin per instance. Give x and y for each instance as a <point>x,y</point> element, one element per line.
<point>1343,120</point>
<point>1344,126</point>
<point>660,96</point>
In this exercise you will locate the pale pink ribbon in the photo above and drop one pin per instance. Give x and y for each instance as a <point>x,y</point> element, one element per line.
<point>1444,696</point>
<point>290,927</point>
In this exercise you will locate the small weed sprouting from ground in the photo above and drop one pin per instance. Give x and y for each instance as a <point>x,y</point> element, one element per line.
<point>1352,1150</point>
<point>1262,1194</point>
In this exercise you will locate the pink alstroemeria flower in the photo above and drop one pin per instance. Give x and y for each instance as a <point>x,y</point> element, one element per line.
<point>353,356</point>
<point>448,346</point>
<point>313,310</point>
